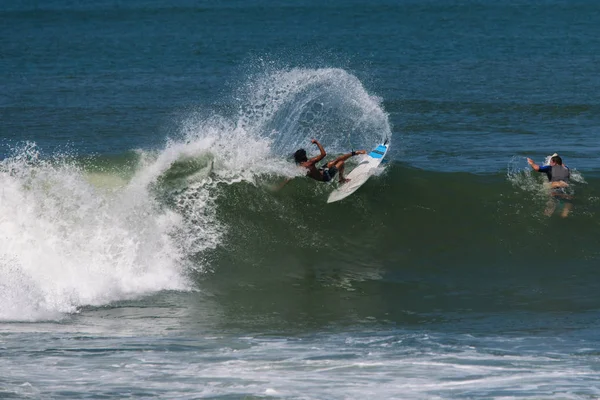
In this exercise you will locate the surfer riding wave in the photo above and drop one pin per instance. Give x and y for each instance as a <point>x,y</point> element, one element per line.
<point>326,172</point>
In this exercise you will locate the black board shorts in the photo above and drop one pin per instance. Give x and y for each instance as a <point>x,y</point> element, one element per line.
<point>329,173</point>
<point>562,195</point>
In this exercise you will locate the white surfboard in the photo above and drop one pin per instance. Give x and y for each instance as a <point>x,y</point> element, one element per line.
<point>359,175</point>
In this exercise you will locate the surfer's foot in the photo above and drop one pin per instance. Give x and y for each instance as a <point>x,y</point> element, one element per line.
<point>566,210</point>
<point>344,180</point>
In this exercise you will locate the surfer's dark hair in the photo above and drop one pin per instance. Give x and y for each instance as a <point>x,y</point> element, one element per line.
<point>300,156</point>
<point>557,160</point>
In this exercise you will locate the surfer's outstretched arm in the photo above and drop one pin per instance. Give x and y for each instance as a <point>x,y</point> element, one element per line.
<point>533,164</point>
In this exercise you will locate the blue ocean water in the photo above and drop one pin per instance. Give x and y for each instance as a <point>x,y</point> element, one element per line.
<point>144,252</point>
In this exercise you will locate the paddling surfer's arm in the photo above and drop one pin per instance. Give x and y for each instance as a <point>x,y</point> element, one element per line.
<point>543,168</point>
<point>533,164</point>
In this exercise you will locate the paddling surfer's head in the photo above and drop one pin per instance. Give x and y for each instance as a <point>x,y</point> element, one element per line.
<point>556,160</point>
<point>300,156</point>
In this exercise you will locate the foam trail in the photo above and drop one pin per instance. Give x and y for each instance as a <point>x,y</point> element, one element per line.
<point>519,174</point>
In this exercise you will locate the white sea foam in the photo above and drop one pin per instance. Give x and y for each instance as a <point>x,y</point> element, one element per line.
<point>65,244</point>
<point>325,366</point>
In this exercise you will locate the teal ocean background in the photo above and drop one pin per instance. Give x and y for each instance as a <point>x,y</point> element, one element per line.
<point>144,250</point>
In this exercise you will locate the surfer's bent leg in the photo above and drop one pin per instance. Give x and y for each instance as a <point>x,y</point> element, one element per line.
<point>550,207</point>
<point>565,200</point>
<point>566,209</point>
<point>340,162</point>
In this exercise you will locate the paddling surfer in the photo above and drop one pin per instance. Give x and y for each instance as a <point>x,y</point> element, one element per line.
<point>558,176</point>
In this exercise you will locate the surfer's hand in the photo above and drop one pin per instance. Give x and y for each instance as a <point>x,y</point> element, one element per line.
<point>314,141</point>
<point>530,161</point>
